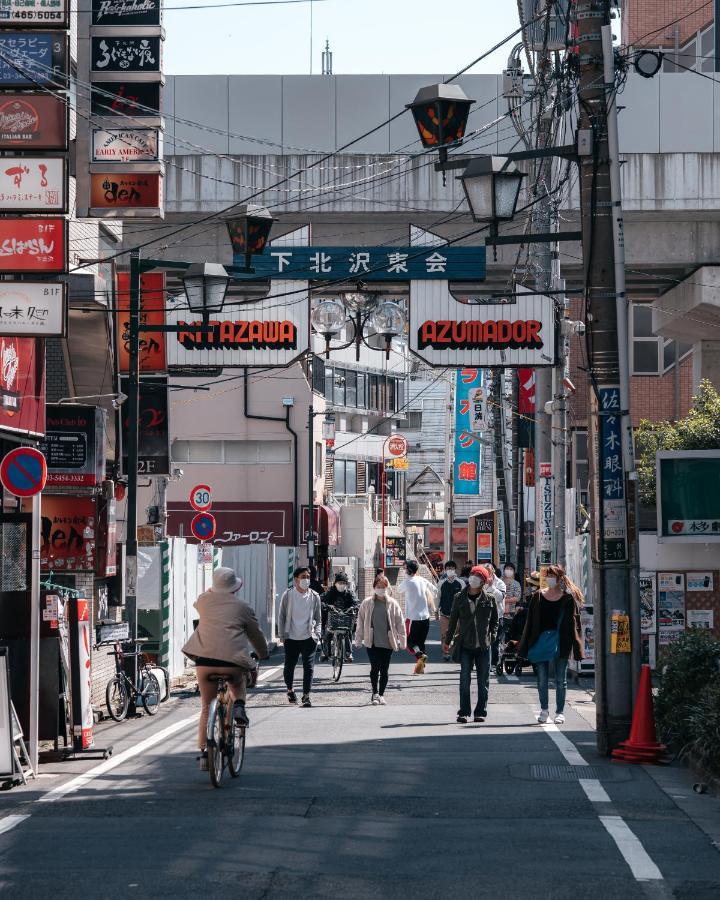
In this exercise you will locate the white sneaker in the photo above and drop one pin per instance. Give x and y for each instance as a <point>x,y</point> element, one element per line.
<point>544,716</point>
<point>374,700</point>
<point>381,700</point>
<point>559,719</point>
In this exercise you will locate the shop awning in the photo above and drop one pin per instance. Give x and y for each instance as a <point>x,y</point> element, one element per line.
<point>326,525</point>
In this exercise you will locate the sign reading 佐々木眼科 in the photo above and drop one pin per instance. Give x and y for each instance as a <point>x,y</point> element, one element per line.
<point>33,184</point>
<point>125,145</point>
<point>369,263</point>
<point>33,309</point>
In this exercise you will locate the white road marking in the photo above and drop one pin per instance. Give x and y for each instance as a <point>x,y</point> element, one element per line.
<point>565,746</point>
<point>633,852</point>
<point>594,791</point>
<point>9,822</point>
<point>266,673</point>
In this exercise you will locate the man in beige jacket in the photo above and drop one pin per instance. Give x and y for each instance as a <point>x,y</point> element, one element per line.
<point>221,645</point>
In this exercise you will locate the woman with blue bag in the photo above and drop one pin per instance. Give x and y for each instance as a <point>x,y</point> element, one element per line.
<point>552,631</point>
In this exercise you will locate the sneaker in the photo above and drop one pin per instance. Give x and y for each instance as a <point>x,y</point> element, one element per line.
<point>559,719</point>
<point>381,700</point>
<point>292,697</point>
<point>239,713</point>
<point>543,717</point>
<point>374,701</point>
<point>306,700</point>
<point>349,659</point>
<point>203,761</point>
<point>462,720</point>
<point>478,718</point>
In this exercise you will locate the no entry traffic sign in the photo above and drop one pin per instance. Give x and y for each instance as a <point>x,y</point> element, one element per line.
<point>203,526</point>
<point>201,497</point>
<point>23,472</point>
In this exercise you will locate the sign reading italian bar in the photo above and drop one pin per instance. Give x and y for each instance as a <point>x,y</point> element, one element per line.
<point>444,332</point>
<point>33,122</point>
<point>125,12</point>
<point>120,98</point>
<point>33,58</point>
<point>125,145</point>
<point>33,309</point>
<point>34,13</point>
<point>33,184</point>
<point>125,54</point>
<point>33,245</point>
<point>131,190</point>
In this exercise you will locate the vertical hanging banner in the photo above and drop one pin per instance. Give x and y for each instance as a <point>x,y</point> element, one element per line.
<point>544,514</point>
<point>152,312</point>
<point>466,468</point>
<point>612,478</point>
<point>526,407</point>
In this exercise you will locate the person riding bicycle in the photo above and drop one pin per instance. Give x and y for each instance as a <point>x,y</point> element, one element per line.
<point>342,598</point>
<point>221,645</point>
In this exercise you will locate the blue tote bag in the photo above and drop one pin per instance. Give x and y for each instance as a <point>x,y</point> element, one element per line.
<point>547,646</point>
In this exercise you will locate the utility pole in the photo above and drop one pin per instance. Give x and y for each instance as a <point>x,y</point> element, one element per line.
<point>311,488</point>
<point>613,673</point>
<point>560,443</point>
<point>449,472</point>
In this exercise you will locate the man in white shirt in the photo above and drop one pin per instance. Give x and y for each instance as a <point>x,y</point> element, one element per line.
<point>419,605</point>
<point>300,628</point>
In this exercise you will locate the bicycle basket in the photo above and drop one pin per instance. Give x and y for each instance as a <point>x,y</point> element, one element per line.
<point>338,621</point>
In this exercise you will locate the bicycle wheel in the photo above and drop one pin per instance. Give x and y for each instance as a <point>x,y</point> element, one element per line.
<point>150,693</point>
<point>338,653</point>
<point>215,741</point>
<point>116,698</point>
<point>236,748</point>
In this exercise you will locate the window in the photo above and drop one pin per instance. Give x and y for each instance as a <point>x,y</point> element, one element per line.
<point>232,452</point>
<point>329,381</point>
<point>362,401</point>
<point>318,458</point>
<point>652,354</point>
<point>582,466</point>
<point>345,472</point>
<point>338,395</point>
<point>414,420</point>
<point>707,50</point>
<point>318,375</point>
<point>373,396</point>
<point>350,388</point>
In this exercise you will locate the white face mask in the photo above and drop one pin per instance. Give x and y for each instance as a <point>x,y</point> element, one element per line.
<point>304,583</point>
<point>508,573</point>
<point>475,581</point>
<point>451,575</point>
<point>551,582</point>
<point>340,587</point>
<point>380,592</point>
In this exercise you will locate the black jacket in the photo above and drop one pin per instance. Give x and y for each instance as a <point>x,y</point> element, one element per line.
<point>571,640</point>
<point>484,624</point>
<point>343,602</point>
<point>448,591</point>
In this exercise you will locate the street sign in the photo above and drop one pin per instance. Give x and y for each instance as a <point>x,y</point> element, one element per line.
<point>477,398</point>
<point>201,497</point>
<point>23,472</point>
<point>400,464</point>
<point>397,445</point>
<point>205,554</point>
<point>203,526</point>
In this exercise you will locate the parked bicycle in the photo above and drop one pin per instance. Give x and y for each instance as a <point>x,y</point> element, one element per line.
<point>225,734</point>
<point>120,690</point>
<point>339,630</point>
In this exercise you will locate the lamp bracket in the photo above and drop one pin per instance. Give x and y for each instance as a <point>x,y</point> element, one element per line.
<point>565,151</point>
<point>543,238</point>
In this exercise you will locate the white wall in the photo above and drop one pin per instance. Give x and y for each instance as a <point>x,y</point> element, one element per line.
<point>656,557</point>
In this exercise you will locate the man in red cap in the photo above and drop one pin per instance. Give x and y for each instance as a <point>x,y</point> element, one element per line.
<point>474,617</point>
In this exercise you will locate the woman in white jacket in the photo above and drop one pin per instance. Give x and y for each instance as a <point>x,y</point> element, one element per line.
<point>381,630</point>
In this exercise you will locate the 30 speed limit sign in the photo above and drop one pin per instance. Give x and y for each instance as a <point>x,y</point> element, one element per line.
<point>201,497</point>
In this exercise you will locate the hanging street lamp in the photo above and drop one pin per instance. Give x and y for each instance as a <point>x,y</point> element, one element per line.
<point>249,230</point>
<point>492,187</point>
<point>389,319</point>
<point>328,319</point>
<point>441,113</point>
<point>205,287</point>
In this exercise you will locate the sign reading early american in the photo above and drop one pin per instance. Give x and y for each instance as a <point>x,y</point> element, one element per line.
<point>125,145</point>
<point>125,12</point>
<point>125,54</point>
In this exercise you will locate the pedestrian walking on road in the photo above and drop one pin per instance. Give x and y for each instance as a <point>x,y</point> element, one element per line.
<point>552,632</point>
<point>510,598</point>
<point>473,625</point>
<point>419,606</point>
<point>381,630</point>
<point>220,645</point>
<point>450,587</point>
<point>300,629</point>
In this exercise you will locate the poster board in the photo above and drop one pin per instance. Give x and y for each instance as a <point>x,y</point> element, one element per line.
<point>670,606</point>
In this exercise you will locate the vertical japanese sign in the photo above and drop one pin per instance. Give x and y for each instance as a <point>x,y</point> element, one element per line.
<point>526,407</point>
<point>466,468</point>
<point>611,478</point>
<point>152,312</point>
<point>544,513</point>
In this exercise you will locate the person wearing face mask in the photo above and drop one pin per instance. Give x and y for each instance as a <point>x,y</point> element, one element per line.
<point>381,630</point>
<point>473,626</point>
<point>510,596</point>
<point>341,597</point>
<point>450,587</point>
<point>299,628</point>
<point>553,609</point>
<point>419,606</point>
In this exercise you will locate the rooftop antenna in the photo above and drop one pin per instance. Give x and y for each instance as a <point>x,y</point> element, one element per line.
<point>327,59</point>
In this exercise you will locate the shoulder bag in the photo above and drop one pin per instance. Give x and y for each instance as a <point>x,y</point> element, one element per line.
<point>547,646</point>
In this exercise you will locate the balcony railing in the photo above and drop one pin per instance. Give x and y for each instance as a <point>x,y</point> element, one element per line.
<point>373,504</point>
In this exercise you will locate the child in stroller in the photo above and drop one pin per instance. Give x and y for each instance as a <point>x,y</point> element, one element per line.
<point>509,662</point>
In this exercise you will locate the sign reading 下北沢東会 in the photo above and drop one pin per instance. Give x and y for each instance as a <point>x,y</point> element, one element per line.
<point>466,472</point>
<point>446,333</point>
<point>125,54</point>
<point>34,13</point>
<point>126,12</point>
<point>33,309</point>
<point>33,58</point>
<point>688,496</point>
<point>33,184</point>
<point>368,263</point>
<point>126,144</point>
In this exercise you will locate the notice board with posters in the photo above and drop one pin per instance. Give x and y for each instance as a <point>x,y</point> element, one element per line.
<point>154,434</point>
<point>74,445</point>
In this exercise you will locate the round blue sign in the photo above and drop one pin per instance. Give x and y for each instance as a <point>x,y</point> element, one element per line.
<point>203,526</point>
<point>23,471</point>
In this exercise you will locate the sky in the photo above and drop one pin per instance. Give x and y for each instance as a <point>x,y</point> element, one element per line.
<point>366,36</point>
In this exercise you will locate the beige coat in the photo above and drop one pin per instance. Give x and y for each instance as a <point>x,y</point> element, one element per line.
<point>396,632</point>
<point>226,630</point>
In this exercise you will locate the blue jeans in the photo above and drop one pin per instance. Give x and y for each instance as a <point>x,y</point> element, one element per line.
<point>480,661</point>
<point>543,676</point>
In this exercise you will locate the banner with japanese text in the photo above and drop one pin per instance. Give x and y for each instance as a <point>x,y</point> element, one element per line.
<point>466,467</point>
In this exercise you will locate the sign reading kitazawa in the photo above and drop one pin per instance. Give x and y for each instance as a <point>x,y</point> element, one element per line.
<point>445,332</point>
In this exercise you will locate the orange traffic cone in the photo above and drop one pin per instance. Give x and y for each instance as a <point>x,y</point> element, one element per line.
<point>642,746</point>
